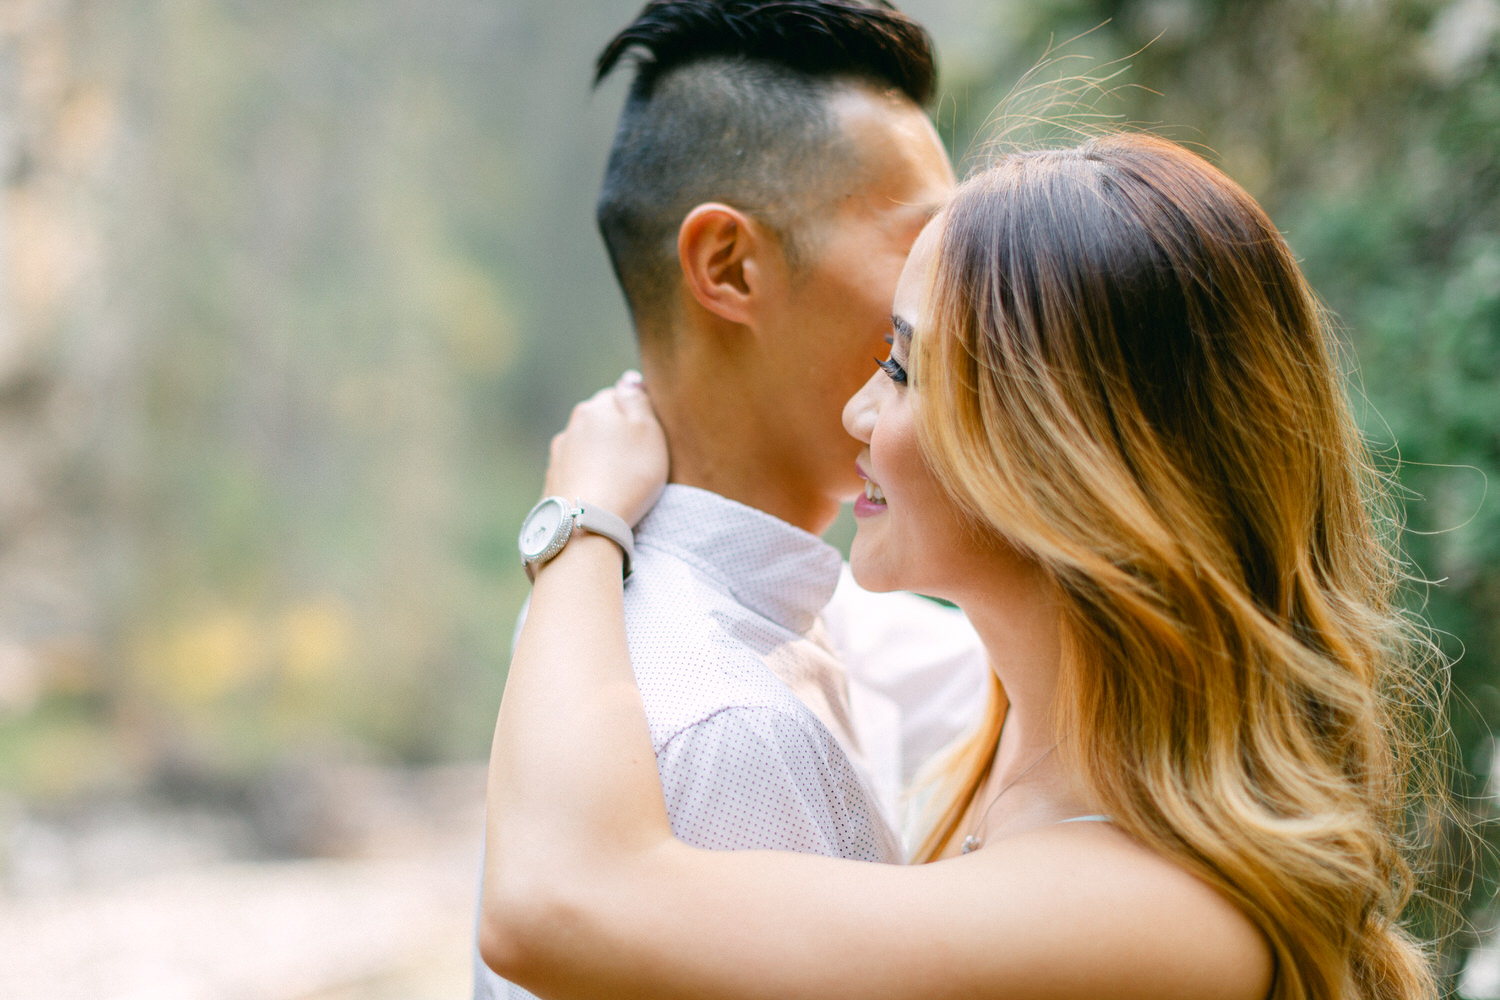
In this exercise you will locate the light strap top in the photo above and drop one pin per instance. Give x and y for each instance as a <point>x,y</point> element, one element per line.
<point>1087,819</point>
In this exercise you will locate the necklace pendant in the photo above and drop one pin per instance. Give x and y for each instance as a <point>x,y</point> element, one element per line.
<point>971,843</point>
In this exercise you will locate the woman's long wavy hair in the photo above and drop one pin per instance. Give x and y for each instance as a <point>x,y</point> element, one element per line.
<point>1126,376</point>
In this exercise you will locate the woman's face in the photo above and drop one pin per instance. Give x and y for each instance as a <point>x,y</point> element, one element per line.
<point>910,536</point>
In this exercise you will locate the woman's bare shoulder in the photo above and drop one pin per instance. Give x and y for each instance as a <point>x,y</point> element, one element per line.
<point>1137,920</point>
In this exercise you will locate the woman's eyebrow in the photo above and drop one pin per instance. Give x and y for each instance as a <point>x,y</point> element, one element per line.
<point>902,327</point>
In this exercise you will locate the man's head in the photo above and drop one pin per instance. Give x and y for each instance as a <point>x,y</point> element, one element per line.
<point>770,171</point>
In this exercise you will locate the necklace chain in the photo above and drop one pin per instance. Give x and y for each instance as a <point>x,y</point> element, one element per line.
<point>975,840</point>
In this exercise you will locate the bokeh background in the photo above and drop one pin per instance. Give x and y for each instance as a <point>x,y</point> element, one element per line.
<point>292,294</point>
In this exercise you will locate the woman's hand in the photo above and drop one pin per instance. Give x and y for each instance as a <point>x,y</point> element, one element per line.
<point>613,453</point>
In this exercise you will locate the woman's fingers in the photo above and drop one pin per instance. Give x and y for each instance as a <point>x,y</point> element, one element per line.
<point>613,452</point>
<point>630,396</point>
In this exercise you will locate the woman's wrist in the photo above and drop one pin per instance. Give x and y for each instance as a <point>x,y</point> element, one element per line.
<point>586,550</point>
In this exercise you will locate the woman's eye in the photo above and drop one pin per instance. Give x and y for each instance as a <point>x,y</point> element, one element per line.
<point>893,369</point>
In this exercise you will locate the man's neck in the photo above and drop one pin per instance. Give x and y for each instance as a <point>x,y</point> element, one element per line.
<point>812,514</point>
<point>717,444</point>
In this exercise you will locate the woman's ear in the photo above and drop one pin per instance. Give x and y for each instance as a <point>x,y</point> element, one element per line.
<point>724,253</point>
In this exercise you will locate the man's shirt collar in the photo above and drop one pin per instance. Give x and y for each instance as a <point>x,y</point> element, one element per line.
<point>771,567</point>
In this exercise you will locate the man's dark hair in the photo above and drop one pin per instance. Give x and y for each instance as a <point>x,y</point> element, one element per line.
<point>730,104</point>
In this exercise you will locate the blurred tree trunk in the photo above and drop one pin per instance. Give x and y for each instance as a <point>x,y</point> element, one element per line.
<point>68,364</point>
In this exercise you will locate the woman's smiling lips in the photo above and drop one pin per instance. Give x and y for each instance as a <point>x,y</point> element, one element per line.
<point>872,500</point>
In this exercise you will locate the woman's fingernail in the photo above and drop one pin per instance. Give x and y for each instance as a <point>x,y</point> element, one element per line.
<point>632,377</point>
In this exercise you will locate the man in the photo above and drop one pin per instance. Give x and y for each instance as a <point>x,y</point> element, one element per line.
<point>771,169</point>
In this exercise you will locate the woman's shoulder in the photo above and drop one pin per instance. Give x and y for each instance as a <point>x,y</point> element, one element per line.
<point>1132,917</point>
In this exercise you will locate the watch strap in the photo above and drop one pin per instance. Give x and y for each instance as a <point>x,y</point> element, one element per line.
<point>610,525</point>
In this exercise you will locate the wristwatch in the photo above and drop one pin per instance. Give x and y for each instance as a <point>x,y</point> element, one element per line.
<point>550,524</point>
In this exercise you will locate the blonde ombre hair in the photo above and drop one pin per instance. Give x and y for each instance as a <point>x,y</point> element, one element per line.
<point>1125,375</point>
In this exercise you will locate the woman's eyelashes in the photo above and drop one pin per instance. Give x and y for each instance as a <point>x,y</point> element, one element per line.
<point>893,369</point>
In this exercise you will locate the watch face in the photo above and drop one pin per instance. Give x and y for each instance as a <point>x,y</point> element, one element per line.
<point>540,528</point>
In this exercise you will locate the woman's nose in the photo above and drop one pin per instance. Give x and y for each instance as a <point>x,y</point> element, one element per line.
<point>859,412</point>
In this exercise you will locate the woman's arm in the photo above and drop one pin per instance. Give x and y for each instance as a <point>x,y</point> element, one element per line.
<point>588,895</point>
<point>554,804</point>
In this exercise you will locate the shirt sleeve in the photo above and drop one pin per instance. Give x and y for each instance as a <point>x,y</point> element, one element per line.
<point>756,778</point>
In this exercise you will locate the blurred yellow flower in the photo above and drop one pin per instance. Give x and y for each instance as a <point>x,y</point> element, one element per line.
<point>316,639</point>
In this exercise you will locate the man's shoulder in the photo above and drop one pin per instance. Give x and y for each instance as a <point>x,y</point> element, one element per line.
<point>697,653</point>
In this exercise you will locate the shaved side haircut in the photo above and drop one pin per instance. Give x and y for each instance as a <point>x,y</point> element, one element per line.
<point>731,102</point>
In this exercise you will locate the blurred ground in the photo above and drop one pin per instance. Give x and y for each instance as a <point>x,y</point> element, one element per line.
<point>183,903</point>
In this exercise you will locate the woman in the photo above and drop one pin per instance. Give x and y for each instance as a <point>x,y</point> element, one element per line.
<point>1111,430</point>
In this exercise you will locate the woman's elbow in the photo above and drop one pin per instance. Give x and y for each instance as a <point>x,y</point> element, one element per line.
<point>520,917</point>
<point>501,947</point>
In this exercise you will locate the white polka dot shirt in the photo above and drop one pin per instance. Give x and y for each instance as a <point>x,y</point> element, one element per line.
<point>762,738</point>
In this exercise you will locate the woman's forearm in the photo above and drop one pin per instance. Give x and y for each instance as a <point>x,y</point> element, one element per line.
<point>572,782</point>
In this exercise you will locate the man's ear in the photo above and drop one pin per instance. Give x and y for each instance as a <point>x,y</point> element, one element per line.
<point>726,259</point>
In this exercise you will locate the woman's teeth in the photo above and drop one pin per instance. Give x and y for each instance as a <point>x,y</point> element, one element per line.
<point>872,493</point>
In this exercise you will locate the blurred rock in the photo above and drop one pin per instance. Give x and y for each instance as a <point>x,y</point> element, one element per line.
<point>149,899</point>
